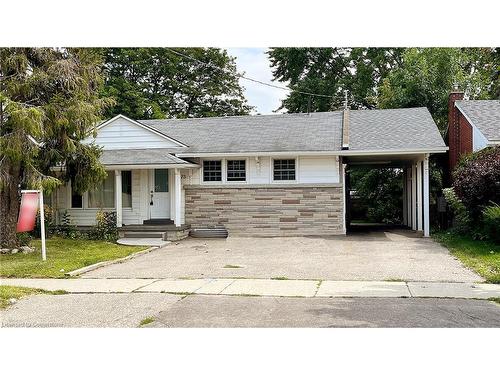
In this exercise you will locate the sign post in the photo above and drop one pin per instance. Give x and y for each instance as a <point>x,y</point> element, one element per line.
<point>27,215</point>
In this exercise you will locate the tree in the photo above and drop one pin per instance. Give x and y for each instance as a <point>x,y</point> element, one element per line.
<point>427,75</point>
<point>158,83</point>
<point>330,71</point>
<point>48,103</point>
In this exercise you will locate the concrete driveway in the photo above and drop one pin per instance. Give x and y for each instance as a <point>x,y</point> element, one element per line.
<point>389,255</point>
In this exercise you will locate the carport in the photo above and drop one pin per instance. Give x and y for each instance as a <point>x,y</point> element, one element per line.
<point>398,138</point>
<point>415,172</point>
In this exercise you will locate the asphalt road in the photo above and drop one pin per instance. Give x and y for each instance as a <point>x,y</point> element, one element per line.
<point>234,311</point>
<point>129,309</point>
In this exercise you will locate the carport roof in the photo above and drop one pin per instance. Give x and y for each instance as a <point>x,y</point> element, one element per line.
<point>370,130</point>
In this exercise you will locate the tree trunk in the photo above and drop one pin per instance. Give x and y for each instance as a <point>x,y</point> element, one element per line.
<point>9,208</point>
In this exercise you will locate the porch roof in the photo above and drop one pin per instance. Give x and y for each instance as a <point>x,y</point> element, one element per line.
<point>146,157</point>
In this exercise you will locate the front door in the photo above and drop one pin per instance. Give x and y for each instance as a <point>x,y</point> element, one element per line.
<point>159,204</point>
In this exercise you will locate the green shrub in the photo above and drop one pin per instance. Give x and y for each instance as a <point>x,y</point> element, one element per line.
<point>66,229</point>
<point>491,222</point>
<point>476,181</point>
<point>24,238</point>
<point>105,228</point>
<point>461,219</point>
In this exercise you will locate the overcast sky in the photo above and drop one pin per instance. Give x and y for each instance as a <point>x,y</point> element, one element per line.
<point>255,64</point>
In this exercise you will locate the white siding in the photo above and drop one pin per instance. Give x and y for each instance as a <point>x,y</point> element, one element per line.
<point>318,170</point>
<point>310,170</point>
<point>86,216</point>
<point>123,134</point>
<point>479,141</point>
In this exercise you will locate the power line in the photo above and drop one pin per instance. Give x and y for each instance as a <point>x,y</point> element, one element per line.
<point>248,78</point>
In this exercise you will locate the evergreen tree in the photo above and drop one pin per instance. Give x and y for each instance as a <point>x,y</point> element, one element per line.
<point>48,103</point>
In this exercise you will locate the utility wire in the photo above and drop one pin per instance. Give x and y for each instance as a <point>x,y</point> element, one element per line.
<point>247,78</point>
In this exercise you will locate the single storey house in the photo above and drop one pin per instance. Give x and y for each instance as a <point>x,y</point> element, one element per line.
<point>472,126</point>
<point>272,175</point>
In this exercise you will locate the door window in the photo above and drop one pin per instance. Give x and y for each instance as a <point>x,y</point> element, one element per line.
<point>161,180</point>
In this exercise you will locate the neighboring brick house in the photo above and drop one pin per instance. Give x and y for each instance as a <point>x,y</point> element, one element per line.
<point>472,126</point>
<point>273,175</point>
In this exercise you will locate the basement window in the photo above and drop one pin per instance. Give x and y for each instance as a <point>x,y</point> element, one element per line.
<point>284,170</point>
<point>212,170</point>
<point>236,170</point>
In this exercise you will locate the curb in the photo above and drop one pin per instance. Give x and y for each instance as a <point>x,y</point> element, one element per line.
<point>95,266</point>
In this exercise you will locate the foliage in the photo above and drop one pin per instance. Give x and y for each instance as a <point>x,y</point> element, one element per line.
<point>329,71</point>
<point>24,238</point>
<point>491,222</point>
<point>66,228</point>
<point>427,75</point>
<point>381,191</point>
<point>105,228</point>
<point>461,219</point>
<point>157,83</point>
<point>482,256</point>
<point>49,102</point>
<point>476,180</point>
<point>63,255</point>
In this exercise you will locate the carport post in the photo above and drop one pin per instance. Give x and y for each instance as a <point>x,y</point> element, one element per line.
<point>414,197</point>
<point>178,197</point>
<point>426,196</point>
<point>419,196</point>
<point>405,201</point>
<point>408,196</point>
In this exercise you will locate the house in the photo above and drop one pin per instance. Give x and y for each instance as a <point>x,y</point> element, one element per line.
<point>273,175</point>
<point>472,126</point>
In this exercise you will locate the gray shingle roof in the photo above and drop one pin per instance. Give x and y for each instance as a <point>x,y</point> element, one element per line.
<point>269,133</point>
<point>392,129</point>
<point>140,156</point>
<point>484,114</point>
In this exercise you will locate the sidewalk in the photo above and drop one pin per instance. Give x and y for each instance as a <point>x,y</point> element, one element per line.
<point>266,287</point>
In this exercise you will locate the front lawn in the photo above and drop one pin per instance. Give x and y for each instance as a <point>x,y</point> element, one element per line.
<point>481,256</point>
<point>63,255</point>
<point>17,292</point>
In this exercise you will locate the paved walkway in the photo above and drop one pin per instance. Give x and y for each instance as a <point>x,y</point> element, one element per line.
<point>391,255</point>
<point>266,287</point>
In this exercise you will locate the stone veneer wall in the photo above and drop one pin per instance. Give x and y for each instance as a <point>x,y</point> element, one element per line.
<point>267,212</point>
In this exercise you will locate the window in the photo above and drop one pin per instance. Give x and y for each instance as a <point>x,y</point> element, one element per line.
<point>76,199</point>
<point>212,170</point>
<point>236,170</point>
<point>161,180</point>
<point>104,195</point>
<point>126,188</point>
<point>284,170</point>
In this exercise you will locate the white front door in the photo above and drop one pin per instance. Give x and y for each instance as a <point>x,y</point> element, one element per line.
<point>159,204</point>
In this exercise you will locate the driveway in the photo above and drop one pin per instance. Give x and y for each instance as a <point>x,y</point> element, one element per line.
<point>389,255</point>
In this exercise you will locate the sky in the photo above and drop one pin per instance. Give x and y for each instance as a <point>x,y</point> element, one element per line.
<point>254,63</point>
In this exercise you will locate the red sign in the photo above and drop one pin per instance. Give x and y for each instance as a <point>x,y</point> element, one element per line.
<point>27,212</point>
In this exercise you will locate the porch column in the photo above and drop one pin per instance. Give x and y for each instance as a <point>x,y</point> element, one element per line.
<point>178,197</point>
<point>426,196</point>
<point>419,196</point>
<point>405,203</point>
<point>414,197</point>
<point>118,198</point>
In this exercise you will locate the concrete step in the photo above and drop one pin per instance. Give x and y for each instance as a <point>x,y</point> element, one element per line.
<point>142,234</point>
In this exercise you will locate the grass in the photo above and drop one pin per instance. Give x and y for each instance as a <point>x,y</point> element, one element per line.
<point>280,278</point>
<point>63,255</point>
<point>481,256</point>
<point>231,266</point>
<point>494,299</point>
<point>17,292</point>
<point>146,320</point>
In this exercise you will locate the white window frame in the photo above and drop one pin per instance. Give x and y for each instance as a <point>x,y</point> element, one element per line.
<point>271,177</point>
<point>224,180</point>
<point>246,171</point>
<point>86,203</point>
<point>222,165</point>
